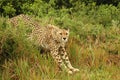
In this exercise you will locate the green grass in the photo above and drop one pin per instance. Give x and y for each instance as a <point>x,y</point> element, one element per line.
<point>92,57</point>
<point>93,47</point>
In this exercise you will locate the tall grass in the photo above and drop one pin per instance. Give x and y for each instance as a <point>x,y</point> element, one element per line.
<point>93,47</point>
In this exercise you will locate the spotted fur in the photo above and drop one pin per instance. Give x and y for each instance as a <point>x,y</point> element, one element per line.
<point>52,38</point>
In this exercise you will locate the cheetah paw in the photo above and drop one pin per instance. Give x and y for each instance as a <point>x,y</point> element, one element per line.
<point>70,72</point>
<point>76,70</point>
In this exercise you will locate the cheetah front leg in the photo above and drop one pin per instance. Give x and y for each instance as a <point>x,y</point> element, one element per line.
<point>66,59</point>
<point>57,58</point>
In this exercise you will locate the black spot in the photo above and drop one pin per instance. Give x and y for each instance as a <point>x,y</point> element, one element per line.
<point>43,50</point>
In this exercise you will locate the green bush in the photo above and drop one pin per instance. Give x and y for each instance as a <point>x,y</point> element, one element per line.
<point>13,7</point>
<point>93,46</point>
<point>13,41</point>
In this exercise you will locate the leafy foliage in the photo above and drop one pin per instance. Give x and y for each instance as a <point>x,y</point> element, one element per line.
<point>13,7</point>
<point>94,43</point>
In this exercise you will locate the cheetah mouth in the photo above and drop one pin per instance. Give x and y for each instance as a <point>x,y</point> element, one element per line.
<point>64,41</point>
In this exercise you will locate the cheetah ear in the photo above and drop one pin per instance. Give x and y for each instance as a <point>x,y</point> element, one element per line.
<point>50,26</point>
<point>67,29</point>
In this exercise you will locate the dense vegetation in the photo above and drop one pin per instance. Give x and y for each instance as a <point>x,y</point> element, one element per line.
<point>93,47</point>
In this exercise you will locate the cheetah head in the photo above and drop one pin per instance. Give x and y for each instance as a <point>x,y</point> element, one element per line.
<point>59,35</point>
<point>62,35</point>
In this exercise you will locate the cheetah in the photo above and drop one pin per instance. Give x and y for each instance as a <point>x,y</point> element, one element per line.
<point>51,38</point>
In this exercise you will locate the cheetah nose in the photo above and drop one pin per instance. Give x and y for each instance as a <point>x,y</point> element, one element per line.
<point>64,38</point>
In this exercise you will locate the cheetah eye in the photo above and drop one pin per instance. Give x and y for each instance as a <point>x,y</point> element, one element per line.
<point>66,33</point>
<point>60,33</point>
